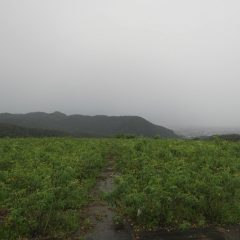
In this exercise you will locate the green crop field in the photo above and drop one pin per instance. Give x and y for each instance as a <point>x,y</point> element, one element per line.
<point>45,183</point>
<point>178,184</point>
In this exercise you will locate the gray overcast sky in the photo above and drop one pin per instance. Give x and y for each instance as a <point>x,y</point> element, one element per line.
<point>174,62</point>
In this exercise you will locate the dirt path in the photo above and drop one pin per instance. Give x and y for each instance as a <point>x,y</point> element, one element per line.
<point>100,214</point>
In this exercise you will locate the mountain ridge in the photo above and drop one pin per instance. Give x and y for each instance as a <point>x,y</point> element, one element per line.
<point>83,125</point>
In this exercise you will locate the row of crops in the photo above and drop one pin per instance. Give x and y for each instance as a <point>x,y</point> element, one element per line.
<point>172,184</point>
<point>45,183</point>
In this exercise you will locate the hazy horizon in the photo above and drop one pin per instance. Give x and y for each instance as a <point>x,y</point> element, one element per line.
<point>174,63</point>
<point>181,130</point>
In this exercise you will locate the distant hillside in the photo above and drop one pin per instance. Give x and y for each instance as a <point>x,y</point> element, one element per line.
<point>79,125</point>
<point>8,130</point>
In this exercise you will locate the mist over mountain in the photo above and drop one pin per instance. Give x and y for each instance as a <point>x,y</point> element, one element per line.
<point>206,131</point>
<point>87,126</point>
<point>226,137</point>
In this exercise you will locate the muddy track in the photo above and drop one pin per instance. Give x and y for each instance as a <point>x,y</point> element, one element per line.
<point>100,214</point>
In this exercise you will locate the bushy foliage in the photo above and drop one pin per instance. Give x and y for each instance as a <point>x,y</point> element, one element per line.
<point>126,136</point>
<point>44,183</point>
<point>178,184</point>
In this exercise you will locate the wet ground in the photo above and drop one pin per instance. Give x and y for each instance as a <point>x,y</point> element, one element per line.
<point>101,215</point>
<point>200,234</point>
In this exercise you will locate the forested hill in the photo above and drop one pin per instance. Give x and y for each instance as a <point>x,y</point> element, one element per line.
<point>80,125</point>
<point>9,130</point>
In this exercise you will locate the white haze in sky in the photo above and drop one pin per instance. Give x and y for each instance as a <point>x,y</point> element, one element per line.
<point>174,62</point>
